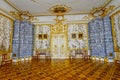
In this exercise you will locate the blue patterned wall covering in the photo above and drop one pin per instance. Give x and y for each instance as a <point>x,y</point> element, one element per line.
<point>15,43</point>
<point>108,37</point>
<point>100,37</point>
<point>25,39</point>
<point>96,37</point>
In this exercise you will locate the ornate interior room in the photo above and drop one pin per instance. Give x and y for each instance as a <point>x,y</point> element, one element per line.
<point>59,39</point>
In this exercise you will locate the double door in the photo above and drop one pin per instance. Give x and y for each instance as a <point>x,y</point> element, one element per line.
<point>59,46</point>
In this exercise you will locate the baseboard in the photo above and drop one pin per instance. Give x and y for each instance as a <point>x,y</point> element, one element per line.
<point>102,59</point>
<point>60,58</point>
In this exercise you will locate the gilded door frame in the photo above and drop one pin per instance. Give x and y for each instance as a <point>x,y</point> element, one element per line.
<point>65,33</point>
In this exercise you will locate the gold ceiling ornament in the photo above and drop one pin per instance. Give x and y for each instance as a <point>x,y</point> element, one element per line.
<point>101,11</point>
<point>16,15</point>
<point>59,9</point>
<point>22,15</point>
<point>34,19</point>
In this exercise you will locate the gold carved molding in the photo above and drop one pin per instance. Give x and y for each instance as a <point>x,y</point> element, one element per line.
<point>22,15</point>
<point>102,11</point>
<point>60,9</point>
<point>89,17</point>
<point>116,49</point>
<point>16,8</point>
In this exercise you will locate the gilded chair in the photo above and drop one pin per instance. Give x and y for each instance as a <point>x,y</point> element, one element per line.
<point>39,53</point>
<point>117,57</point>
<point>86,56</point>
<point>35,55</point>
<point>79,52</point>
<point>6,59</point>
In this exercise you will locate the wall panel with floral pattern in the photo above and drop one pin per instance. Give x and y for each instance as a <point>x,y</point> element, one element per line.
<point>6,29</point>
<point>77,36</point>
<point>42,37</point>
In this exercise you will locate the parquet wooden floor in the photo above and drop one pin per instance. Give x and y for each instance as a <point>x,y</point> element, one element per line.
<point>76,69</point>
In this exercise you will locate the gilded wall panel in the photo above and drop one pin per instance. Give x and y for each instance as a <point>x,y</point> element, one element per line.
<point>42,36</point>
<point>116,30</point>
<point>6,28</point>
<point>77,36</point>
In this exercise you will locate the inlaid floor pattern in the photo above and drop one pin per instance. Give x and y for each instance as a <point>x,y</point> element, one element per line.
<point>75,69</point>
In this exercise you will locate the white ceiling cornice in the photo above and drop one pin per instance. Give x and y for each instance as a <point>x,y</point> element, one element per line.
<point>12,5</point>
<point>106,3</point>
<point>40,9</point>
<point>3,11</point>
<point>65,14</point>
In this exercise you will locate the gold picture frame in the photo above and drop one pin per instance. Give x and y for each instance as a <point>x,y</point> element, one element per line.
<point>80,36</point>
<point>45,36</point>
<point>40,36</point>
<point>73,36</point>
<point>115,19</point>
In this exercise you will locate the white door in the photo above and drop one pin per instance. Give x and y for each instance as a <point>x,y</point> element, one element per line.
<point>59,46</point>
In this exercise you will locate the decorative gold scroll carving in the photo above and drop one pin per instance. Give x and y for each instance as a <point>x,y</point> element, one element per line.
<point>59,9</point>
<point>22,15</point>
<point>102,11</point>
